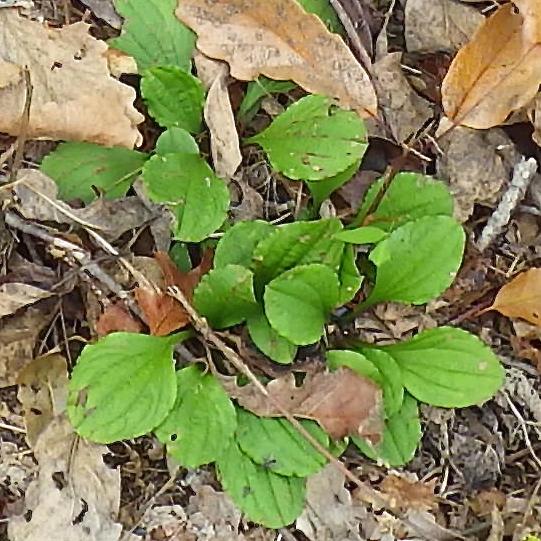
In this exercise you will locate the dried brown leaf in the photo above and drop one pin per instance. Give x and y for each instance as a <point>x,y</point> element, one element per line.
<point>74,97</point>
<point>521,297</point>
<point>342,402</point>
<point>280,40</point>
<point>15,295</point>
<point>498,71</point>
<point>534,114</point>
<point>117,318</point>
<point>405,494</point>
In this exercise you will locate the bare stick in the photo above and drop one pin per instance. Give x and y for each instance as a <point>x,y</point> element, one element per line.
<point>523,173</point>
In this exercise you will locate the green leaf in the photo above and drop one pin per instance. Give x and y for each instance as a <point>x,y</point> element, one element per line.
<point>322,189</point>
<point>361,235</point>
<point>256,91</point>
<point>238,243</point>
<point>349,276</point>
<point>324,10</point>
<point>153,35</point>
<point>202,421</point>
<point>225,296</point>
<point>418,261</point>
<point>176,140</point>
<point>392,381</point>
<point>174,97</point>
<point>122,386</point>
<point>354,360</point>
<point>410,196</point>
<point>313,140</point>
<point>76,167</point>
<point>198,199</point>
<point>267,498</point>
<point>448,367</point>
<point>180,255</point>
<point>298,302</point>
<point>401,436</point>
<point>276,444</point>
<point>297,243</point>
<point>278,348</point>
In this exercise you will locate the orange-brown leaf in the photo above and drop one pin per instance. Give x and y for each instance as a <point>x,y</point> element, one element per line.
<point>498,71</point>
<point>405,494</point>
<point>116,317</point>
<point>521,297</point>
<point>342,402</point>
<point>280,40</point>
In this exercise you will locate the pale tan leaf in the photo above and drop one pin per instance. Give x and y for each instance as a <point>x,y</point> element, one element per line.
<point>74,97</point>
<point>521,297</point>
<point>405,494</point>
<point>342,402</point>
<point>15,295</point>
<point>280,40</point>
<point>219,117</point>
<point>439,25</point>
<point>534,114</point>
<point>497,72</point>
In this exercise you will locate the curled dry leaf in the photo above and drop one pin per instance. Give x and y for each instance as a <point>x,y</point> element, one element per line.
<point>405,494</point>
<point>162,313</point>
<point>15,295</point>
<point>521,297</point>
<point>74,97</point>
<point>342,402</point>
<point>224,139</point>
<point>498,71</point>
<point>280,40</point>
<point>534,114</point>
<point>117,318</point>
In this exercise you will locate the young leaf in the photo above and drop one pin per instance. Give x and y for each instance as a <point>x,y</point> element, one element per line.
<point>278,348</point>
<point>77,167</point>
<point>312,140</point>
<point>448,367</point>
<point>202,421</point>
<point>521,297</point>
<point>176,140</point>
<point>231,30</point>
<point>497,72</point>
<point>237,245</point>
<point>266,497</point>
<point>255,93</point>
<point>174,97</point>
<point>322,189</point>
<point>197,198</point>
<point>153,35</point>
<point>277,446</point>
<point>225,296</point>
<point>349,276</point>
<point>298,243</point>
<point>362,235</point>
<point>122,386</point>
<point>410,196</point>
<point>417,261</point>
<point>401,436</point>
<point>298,302</point>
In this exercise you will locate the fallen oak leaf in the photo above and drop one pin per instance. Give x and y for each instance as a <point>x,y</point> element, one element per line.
<point>73,95</point>
<point>521,297</point>
<point>497,72</point>
<point>342,402</point>
<point>282,41</point>
<point>406,494</point>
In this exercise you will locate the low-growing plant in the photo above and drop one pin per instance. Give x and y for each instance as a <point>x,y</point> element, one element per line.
<point>283,284</point>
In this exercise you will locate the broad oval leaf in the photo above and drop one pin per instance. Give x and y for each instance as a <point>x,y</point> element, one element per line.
<point>202,421</point>
<point>448,367</point>
<point>276,445</point>
<point>410,196</point>
<point>361,235</point>
<point>77,167</point>
<point>267,498</point>
<point>238,243</point>
<point>298,302</point>
<point>176,140</point>
<point>349,276</point>
<point>418,261</point>
<point>266,339</point>
<point>197,198</point>
<point>225,296</point>
<point>297,243</point>
<point>122,386</point>
<point>312,140</point>
<point>153,35</point>
<point>174,97</point>
<point>401,436</point>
